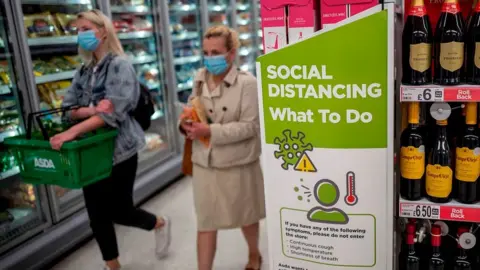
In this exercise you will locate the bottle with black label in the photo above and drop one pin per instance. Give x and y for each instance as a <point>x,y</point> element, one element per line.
<point>409,259</point>
<point>417,46</point>
<point>462,260</point>
<point>472,47</point>
<point>439,175</point>
<point>436,260</point>
<point>412,156</point>
<point>467,159</point>
<point>449,45</point>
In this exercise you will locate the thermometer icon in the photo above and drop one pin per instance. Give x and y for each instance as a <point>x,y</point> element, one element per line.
<point>351,198</point>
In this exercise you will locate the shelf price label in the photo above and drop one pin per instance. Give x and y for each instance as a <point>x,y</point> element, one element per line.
<point>421,94</point>
<point>419,211</point>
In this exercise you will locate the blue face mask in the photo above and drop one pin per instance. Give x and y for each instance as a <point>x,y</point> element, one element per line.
<point>88,41</point>
<point>216,64</point>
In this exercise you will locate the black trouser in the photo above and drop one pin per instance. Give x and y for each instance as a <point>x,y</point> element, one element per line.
<point>110,201</point>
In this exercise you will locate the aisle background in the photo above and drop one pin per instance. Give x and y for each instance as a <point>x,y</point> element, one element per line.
<point>136,246</point>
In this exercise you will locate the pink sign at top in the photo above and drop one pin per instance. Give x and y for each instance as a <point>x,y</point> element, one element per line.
<point>274,4</point>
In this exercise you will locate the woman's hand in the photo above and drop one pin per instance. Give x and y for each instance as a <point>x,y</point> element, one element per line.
<point>197,130</point>
<point>58,140</point>
<point>105,106</point>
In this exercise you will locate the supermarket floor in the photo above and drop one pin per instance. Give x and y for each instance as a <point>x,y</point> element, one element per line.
<point>136,246</point>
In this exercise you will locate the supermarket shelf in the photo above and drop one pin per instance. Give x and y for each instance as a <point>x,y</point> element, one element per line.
<point>217,8</point>
<point>453,210</point>
<point>8,134</point>
<point>157,115</point>
<point>55,77</point>
<point>9,173</point>
<point>244,36</point>
<point>243,7</point>
<point>57,2</point>
<point>153,86</point>
<point>130,9</point>
<point>438,93</point>
<point>185,86</point>
<point>187,59</point>
<point>183,8</point>
<point>143,59</point>
<point>185,36</point>
<point>134,35</point>
<point>260,33</point>
<point>5,89</point>
<point>243,21</point>
<point>52,40</point>
<point>244,51</point>
<point>246,67</point>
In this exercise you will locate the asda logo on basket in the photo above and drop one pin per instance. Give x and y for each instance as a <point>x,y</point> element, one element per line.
<point>43,163</point>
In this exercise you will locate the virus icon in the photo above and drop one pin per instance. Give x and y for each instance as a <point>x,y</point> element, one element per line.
<point>291,148</point>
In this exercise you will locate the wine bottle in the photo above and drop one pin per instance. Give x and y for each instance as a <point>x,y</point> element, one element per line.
<point>436,261</point>
<point>409,259</point>
<point>472,47</point>
<point>461,260</point>
<point>449,47</point>
<point>467,168</point>
<point>412,156</point>
<point>417,46</point>
<point>439,174</point>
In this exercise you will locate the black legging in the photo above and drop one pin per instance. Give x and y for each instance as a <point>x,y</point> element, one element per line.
<point>110,201</point>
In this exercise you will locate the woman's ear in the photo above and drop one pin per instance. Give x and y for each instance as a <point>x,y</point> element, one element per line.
<point>231,55</point>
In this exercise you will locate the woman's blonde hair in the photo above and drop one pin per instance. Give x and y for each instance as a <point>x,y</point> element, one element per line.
<point>111,41</point>
<point>230,35</point>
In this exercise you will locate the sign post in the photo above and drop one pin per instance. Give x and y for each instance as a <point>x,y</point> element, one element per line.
<point>326,106</point>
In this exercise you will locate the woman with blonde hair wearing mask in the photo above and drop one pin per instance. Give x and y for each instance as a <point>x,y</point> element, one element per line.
<point>227,178</point>
<point>107,90</point>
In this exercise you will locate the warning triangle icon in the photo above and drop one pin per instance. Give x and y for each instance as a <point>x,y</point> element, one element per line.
<point>305,164</point>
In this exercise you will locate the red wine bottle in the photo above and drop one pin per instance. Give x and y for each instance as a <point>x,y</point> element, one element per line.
<point>472,47</point>
<point>461,260</point>
<point>412,156</point>
<point>467,160</point>
<point>417,46</point>
<point>436,260</point>
<point>449,46</point>
<point>439,175</point>
<point>409,259</point>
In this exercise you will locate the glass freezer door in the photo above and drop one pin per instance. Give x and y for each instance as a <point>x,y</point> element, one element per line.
<point>23,207</point>
<point>51,38</point>
<point>245,28</point>
<point>219,12</point>
<point>136,23</point>
<point>186,34</point>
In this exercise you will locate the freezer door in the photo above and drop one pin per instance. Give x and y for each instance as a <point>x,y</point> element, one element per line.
<point>245,26</point>
<point>138,28</point>
<point>220,12</point>
<point>24,209</point>
<point>186,35</point>
<point>49,38</point>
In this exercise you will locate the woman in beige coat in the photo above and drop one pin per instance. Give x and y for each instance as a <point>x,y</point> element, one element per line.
<point>227,178</point>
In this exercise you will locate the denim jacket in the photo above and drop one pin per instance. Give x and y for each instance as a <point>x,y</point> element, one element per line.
<point>113,78</point>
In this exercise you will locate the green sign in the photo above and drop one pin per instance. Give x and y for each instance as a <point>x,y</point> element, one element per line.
<point>330,87</point>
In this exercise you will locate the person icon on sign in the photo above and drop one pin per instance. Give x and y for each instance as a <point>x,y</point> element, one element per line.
<point>327,194</point>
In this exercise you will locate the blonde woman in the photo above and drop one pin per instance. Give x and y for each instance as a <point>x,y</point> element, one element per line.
<point>106,87</point>
<point>227,178</point>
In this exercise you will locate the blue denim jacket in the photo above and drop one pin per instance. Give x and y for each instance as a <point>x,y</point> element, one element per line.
<point>113,78</point>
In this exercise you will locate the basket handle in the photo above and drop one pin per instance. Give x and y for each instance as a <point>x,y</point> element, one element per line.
<point>38,115</point>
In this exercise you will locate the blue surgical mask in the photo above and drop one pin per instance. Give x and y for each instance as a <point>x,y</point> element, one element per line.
<point>216,64</point>
<point>88,41</point>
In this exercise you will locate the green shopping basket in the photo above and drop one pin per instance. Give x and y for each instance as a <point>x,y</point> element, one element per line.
<point>79,163</point>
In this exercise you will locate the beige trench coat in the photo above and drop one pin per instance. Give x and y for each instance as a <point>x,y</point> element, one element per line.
<point>227,178</point>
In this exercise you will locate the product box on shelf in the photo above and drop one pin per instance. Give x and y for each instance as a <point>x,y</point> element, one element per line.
<point>333,11</point>
<point>302,20</point>
<point>287,21</point>
<point>434,8</point>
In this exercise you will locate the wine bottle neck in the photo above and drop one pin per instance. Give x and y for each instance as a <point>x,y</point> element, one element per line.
<point>418,3</point>
<point>471,113</point>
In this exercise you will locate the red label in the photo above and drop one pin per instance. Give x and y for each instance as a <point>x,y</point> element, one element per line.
<point>456,94</point>
<point>460,214</point>
<point>418,11</point>
<point>477,7</point>
<point>452,8</point>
